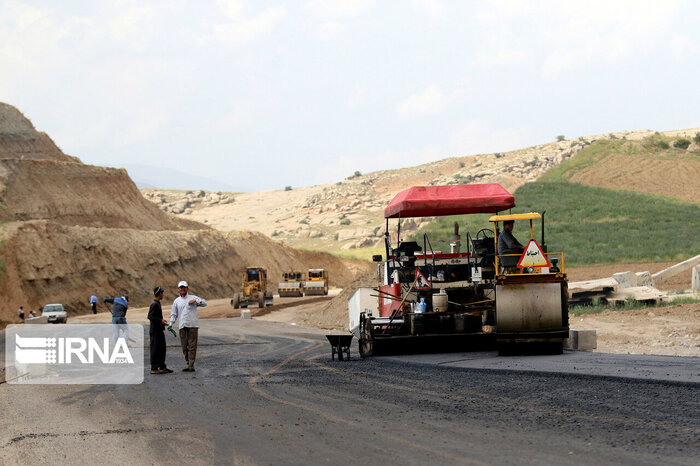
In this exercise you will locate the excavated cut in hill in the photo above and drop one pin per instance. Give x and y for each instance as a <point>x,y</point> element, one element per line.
<point>70,230</point>
<point>76,194</point>
<point>19,138</point>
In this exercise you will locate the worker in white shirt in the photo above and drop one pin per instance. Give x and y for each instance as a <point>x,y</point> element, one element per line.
<point>185,308</point>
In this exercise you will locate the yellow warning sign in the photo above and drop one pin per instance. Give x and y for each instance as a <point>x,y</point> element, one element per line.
<point>533,256</point>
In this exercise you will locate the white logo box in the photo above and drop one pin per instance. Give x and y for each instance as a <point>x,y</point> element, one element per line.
<point>74,354</point>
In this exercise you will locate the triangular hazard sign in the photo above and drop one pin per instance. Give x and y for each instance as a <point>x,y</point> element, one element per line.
<point>533,256</point>
<point>421,282</point>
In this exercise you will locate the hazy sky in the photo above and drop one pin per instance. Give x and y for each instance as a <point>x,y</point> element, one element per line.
<point>264,94</point>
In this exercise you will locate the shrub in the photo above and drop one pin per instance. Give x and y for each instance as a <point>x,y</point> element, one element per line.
<point>560,138</point>
<point>459,179</point>
<point>201,193</point>
<point>661,144</point>
<point>461,164</point>
<point>188,192</point>
<point>357,173</point>
<point>612,136</point>
<point>275,233</point>
<point>681,143</point>
<point>573,143</point>
<point>345,221</point>
<point>696,139</point>
<point>336,236</point>
<point>304,221</point>
<point>287,188</point>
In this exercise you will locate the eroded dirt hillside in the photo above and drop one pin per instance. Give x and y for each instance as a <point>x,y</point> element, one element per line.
<point>69,230</point>
<point>77,194</point>
<point>49,262</point>
<point>19,138</point>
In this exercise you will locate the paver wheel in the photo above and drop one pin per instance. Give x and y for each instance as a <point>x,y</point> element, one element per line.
<point>365,347</point>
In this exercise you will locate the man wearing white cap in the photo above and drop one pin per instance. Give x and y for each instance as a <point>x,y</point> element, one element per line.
<point>185,308</point>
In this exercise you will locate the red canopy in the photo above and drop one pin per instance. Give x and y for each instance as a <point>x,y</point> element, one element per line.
<point>434,201</point>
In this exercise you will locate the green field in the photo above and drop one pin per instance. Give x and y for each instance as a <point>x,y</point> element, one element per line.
<point>594,225</point>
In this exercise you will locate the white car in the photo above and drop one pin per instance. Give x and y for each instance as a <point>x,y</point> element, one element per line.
<point>55,313</point>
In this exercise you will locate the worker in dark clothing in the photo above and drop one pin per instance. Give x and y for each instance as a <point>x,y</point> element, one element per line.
<point>119,307</point>
<point>507,244</point>
<point>156,333</point>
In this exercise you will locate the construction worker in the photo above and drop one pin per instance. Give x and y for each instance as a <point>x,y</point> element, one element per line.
<point>156,333</point>
<point>93,304</point>
<point>119,308</point>
<point>185,308</point>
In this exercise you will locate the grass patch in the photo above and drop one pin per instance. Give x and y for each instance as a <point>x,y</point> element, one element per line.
<point>360,253</point>
<point>629,305</point>
<point>593,225</point>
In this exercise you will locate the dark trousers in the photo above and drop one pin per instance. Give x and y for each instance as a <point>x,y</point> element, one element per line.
<point>188,340</point>
<point>94,307</point>
<point>157,349</point>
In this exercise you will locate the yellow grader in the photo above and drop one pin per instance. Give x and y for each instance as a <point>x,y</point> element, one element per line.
<point>253,289</point>
<point>292,284</point>
<point>463,300</point>
<point>317,283</point>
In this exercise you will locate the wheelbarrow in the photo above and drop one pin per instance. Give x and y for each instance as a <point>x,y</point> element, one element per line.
<point>340,344</point>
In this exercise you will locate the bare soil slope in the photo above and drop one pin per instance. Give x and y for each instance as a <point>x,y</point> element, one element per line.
<point>77,194</point>
<point>69,230</point>
<point>680,179</point>
<point>19,138</point>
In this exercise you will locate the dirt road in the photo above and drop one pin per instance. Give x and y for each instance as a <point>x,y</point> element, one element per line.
<point>267,393</point>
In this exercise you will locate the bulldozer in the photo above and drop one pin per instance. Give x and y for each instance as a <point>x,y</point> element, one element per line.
<point>317,283</point>
<point>292,284</point>
<point>253,289</point>
<point>475,299</point>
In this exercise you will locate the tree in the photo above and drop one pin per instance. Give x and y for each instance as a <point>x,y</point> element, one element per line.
<point>560,138</point>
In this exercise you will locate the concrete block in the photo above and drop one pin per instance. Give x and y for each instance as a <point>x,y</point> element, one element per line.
<point>582,339</point>
<point>626,279</point>
<point>696,279</point>
<point>645,279</point>
<point>245,314</point>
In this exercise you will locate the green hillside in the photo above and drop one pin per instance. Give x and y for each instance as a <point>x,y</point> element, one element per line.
<point>594,225</point>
